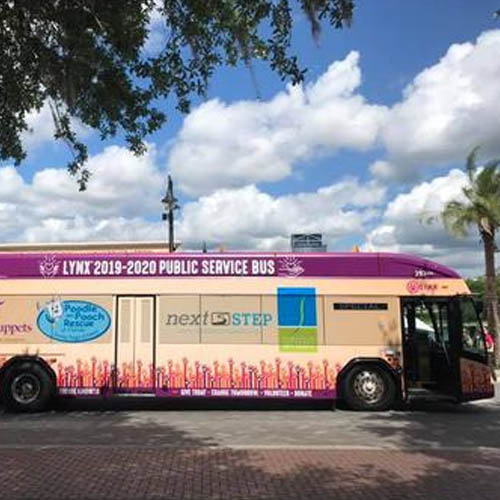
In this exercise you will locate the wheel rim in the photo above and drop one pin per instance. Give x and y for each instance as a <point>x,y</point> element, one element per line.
<point>369,386</point>
<point>25,388</point>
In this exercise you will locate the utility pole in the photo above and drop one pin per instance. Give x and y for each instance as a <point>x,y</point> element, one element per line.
<point>170,204</point>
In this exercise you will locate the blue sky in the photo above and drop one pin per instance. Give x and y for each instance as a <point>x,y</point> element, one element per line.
<point>372,141</point>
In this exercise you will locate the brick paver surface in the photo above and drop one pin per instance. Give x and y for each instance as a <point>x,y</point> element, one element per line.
<point>142,473</point>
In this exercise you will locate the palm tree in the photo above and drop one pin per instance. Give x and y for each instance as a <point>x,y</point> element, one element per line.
<point>481,208</point>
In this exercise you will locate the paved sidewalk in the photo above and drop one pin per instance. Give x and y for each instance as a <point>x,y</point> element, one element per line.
<point>137,473</point>
<point>147,450</point>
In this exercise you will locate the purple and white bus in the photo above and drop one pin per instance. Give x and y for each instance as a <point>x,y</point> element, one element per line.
<point>367,328</point>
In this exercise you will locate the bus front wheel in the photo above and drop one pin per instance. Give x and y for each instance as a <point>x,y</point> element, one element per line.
<point>368,387</point>
<point>27,387</point>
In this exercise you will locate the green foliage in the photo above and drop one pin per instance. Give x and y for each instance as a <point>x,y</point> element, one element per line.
<point>478,285</point>
<point>482,200</point>
<point>86,59</point>
<point>481,208</point>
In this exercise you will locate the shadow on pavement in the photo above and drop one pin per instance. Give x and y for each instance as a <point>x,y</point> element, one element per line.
<point>435,426</point>
<point>190,466</point>
<point>231,474</point>
<point>139,422</point>
<point>188,404</point>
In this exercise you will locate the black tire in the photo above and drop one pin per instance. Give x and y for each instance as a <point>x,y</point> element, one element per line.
<point>368,387</point>
<point>27,387</point>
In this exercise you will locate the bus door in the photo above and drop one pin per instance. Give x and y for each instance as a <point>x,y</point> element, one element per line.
<point>429,347</point>
<point>475,374</point>
<point>135,356</point>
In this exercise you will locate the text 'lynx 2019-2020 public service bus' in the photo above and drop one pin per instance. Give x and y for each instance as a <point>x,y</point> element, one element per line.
<point>367,328</point>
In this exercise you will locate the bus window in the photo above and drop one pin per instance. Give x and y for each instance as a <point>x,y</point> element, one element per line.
<point>431,322</point>
<point>472,332</point>
<point>440,310</point>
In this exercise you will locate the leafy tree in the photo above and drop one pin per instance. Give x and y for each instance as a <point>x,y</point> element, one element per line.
<point>478,285</point>
<point>86,59</point>
<point>481,209</point>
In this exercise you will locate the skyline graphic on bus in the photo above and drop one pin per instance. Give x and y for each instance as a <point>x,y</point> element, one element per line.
<point>297,319</point>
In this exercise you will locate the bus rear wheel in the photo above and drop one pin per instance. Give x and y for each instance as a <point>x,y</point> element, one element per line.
<point>368,388</point>
<point>27,387</point>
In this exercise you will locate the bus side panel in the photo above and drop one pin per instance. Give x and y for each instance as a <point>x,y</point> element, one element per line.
<point>73,334</point>
<point>291,344</point>
<point>475,378</point>
<point>257,346</point>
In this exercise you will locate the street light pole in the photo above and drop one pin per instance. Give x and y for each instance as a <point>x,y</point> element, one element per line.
<point>170,204</point>
<point>171,231</point>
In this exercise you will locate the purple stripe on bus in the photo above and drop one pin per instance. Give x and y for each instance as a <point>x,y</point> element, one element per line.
<point>144,265</point>
<point>204,393</point>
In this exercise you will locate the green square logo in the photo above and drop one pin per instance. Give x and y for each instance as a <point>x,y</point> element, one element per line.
<point>298,339</point>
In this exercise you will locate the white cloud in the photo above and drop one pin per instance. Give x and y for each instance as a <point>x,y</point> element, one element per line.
<point>90,228</point>
<point>123,187</point>
<point>383,170</point>
<point>41,129</point>
<point>449,108</point>
<point>231,145</point>
<point>247,218</point>
<point>428,197</point>
<point>123,203</point>
<point>225,151</point>
<point>403,227</point>
<point>157,30</point>
<point>121,184</point>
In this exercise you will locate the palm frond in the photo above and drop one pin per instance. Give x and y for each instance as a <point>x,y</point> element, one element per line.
<point>470,165</point>
<point>492,163</point>
<point>457,217</point>
<point>481,207</point>
<point>487,180</point>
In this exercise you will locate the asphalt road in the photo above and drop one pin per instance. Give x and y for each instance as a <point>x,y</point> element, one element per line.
<point>149,423</point>
<point>151,450</point>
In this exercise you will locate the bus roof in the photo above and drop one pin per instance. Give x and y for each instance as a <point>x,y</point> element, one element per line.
<point>135,264</point>
<point>88,246</point>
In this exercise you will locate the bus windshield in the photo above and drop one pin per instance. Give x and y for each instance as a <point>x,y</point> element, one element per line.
<point>473,341</point>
